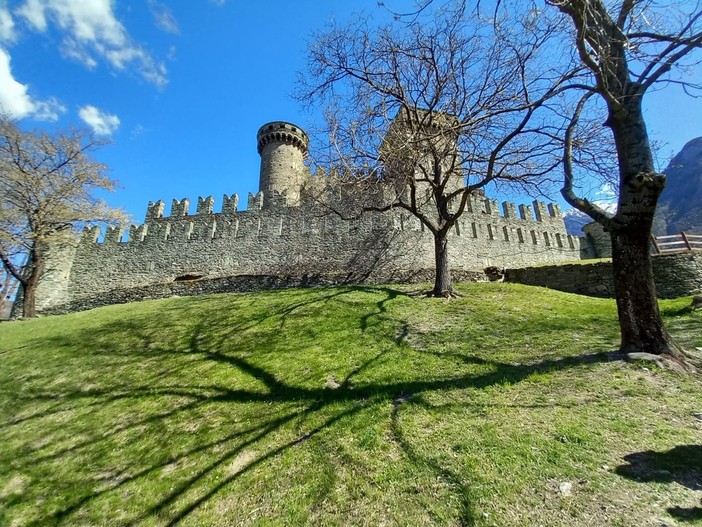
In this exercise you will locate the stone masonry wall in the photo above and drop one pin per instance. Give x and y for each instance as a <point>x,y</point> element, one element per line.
<point>280,240</point>
<point>675,274</point>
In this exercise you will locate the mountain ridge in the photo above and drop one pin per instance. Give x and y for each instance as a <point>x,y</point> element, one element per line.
<point>680,204</point>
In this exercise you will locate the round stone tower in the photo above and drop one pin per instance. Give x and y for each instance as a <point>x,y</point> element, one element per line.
<point>283,147</point>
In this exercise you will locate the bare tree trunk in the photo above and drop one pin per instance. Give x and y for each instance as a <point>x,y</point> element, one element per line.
<point>31,282</point>
<point>442,279</point>
<point>640,322</point>
<point>29,309</point>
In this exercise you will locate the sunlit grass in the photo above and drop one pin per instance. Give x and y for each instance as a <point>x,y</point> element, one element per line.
<point>345,406</point>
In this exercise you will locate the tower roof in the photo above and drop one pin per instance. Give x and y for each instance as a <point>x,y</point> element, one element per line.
<point>282,132</point>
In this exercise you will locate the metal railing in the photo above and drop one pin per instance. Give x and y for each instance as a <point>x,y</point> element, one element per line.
<point>676,243</point>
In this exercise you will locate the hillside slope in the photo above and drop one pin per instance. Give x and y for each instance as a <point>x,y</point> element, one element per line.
<point>345,406</point>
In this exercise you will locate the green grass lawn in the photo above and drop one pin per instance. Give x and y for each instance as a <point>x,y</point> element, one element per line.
<point>347,406</point>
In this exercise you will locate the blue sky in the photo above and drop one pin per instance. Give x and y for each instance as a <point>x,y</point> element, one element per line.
<point>181,87</point>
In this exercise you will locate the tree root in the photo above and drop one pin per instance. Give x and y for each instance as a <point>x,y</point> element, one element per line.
<point>448,295</point>
<point>667,361</point>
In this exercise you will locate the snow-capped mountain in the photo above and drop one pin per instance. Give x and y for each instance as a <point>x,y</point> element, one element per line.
<point>576,220</point>
<point>680,204</point>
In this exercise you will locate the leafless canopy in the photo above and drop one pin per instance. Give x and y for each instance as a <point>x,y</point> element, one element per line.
<point>420,113</point>
<point>628,47</point>
<point>47,185</point>
<point>494,80</point>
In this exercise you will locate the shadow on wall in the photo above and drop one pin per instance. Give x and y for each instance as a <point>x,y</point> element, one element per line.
<point>375,260</point>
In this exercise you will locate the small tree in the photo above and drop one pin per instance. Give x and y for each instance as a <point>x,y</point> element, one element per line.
<point>628,47</point>
<point>420,114</point>
<point>46,189</point>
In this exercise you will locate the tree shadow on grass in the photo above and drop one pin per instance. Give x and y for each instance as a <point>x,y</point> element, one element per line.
<point>681,464</point>
<point>302,412</point>
<point>467,514</point>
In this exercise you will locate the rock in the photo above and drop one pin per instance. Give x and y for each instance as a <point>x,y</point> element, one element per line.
<point>331,382</point>
<point>495,274</point>
<point>565,489</point>
<point>678,206</point>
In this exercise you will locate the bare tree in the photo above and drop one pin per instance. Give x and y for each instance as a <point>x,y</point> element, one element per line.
<point>628,47</point>
<point>46,189</point>
<point>421,113</point>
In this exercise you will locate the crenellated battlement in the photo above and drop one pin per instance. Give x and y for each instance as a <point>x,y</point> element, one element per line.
<point>509,210</point>
<point>205,205</point>
<point>180,208</point>
<point>154,210</point>
<point>484,218</point>
<point>230,204</point>
<point>526,213</point>
<point>282,132</point>
<point>114,234</point>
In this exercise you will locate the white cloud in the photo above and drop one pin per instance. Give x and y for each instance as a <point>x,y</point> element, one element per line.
<point>72,50</point>
<point>14,96</point>
<point>48,110</point>
<point>7,25</point>
<point>218,2</point>
<point>16,101</point>
<point>93,31</point>
<point>163,16</point>
<point>33,12</point>
<point>137,131</point>
<point>102,123</point>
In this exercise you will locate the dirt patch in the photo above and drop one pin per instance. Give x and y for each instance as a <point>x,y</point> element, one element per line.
<point>241,461</point>
<point>16,485</point>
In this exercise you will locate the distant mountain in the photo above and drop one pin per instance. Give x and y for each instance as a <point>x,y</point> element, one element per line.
<point>576,220</point>
<point>680,204</point>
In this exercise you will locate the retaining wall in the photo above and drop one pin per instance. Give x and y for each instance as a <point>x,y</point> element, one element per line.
<point>676,275</point>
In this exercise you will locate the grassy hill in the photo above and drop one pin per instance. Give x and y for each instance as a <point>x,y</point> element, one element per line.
<point>346,406</point>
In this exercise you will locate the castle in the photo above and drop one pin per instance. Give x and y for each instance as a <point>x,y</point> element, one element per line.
<point>284,232</point>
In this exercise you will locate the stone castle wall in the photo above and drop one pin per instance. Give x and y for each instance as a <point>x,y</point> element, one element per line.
<point>286,233</point>
<point>281,240</point>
